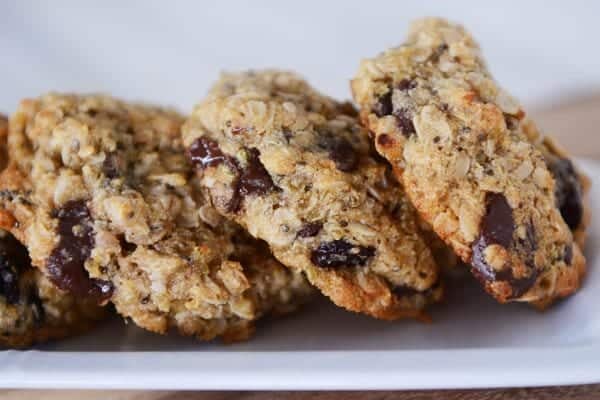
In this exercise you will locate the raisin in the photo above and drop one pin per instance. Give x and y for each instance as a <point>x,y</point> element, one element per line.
<point>404,121</point>
<point>14,259</point>
<point>66,262</point>
<point>340,253</point>
<point>497,227</point>
<point>310,229</point>
<point>567,191</point>
<point>384,106</point>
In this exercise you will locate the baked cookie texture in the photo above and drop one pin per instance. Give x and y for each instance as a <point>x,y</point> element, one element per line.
<point>33,310</point>
<point>571,186</point>
<point>99,192</point>
<point>457,143</point>
<point>297,170</point>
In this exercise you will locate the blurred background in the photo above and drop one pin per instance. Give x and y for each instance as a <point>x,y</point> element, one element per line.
<point>544,52</point>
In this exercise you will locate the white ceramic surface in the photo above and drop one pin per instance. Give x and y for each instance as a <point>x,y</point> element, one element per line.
<point>473,342</point>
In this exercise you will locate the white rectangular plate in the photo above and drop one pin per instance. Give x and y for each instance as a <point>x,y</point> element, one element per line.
<point>473,342</point>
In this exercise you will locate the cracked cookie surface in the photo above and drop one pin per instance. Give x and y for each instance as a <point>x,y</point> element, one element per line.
<point>297,170</point>
<point>99,193</point>
<point>457,143</point>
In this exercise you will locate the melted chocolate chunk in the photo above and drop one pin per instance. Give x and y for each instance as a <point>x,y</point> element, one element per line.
<point>14,259</point>
<point>384,106</point>
<point>310,229</point>
<point>340,253</point>
<point>254,179</point>
<point>567,191</point>
<point>519,286</point>
<point>497,227</point>
<point>66,262</point>
<point>205,152</point>
<point>404,121</point>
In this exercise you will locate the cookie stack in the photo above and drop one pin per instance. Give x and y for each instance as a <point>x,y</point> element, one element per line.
<point>270,189</point>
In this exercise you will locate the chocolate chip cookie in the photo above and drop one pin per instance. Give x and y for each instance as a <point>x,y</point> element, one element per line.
<point>456,142</point>
<point>98,190</point>
<point>296,169</point>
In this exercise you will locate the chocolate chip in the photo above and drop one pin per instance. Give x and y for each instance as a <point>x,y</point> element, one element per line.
<point>343,155</point>
<point>567,190</point>
<point>406,84</point>
<point>66,262</point>
<point>310,229</point>
<point>254,179</point>
<point>384,106</point>
<point>340,253</point>
<point>127,248</point>
<point>340,151</point>
<point>568,256</point>
<point>205,152</point>
<point>404,121</point>
<point>14,259</point>
<point>497,227</point>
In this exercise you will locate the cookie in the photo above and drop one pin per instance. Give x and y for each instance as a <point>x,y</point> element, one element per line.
<point>99,192</point>
<point>456,142</point>
<point>296,169</point>
<point>33,310</point>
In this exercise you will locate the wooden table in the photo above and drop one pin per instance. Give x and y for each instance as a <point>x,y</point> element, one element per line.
<point>576,125</point>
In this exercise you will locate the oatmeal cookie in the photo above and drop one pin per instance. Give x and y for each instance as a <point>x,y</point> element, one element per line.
<point>99,192</point>
<point>33,310</point>
<point>456,142</point>
<point>296,170</point>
